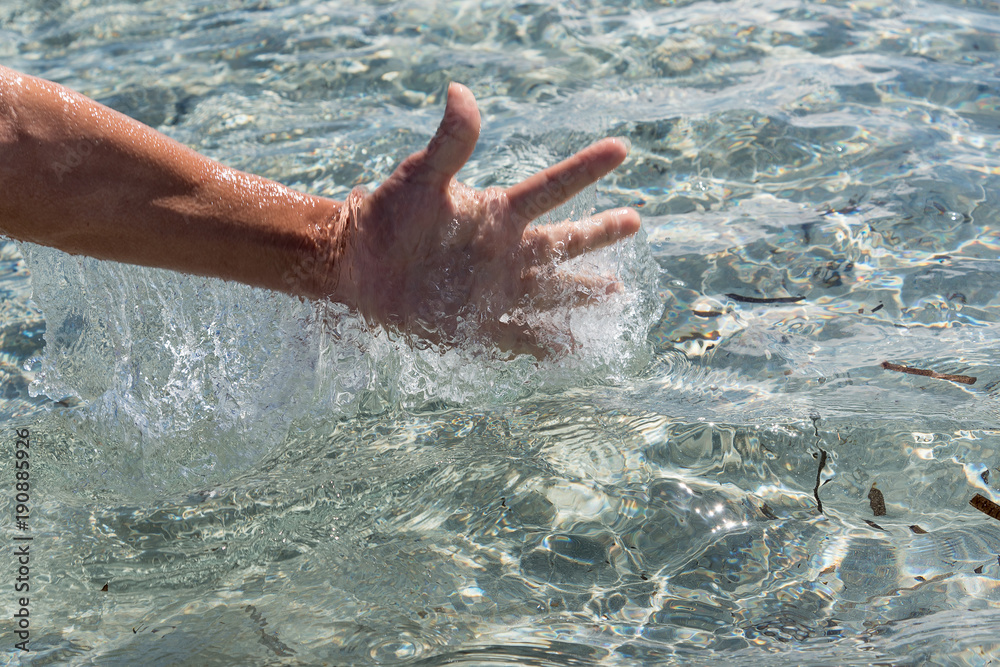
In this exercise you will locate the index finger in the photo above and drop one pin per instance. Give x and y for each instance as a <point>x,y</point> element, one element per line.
<point>559,183</point>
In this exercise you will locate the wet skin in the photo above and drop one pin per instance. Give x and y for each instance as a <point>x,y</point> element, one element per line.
<point>422,253</point>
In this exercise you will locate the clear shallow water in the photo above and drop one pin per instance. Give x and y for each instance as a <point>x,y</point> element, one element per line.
<point>259,481</point>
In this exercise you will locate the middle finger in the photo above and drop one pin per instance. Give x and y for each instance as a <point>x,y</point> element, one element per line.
<point>566,240</point>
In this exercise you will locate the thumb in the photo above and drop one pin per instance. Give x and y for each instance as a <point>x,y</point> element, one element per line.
<point>456,137</point>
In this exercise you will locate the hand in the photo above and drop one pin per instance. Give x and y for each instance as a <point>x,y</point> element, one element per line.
<point>429,256</point>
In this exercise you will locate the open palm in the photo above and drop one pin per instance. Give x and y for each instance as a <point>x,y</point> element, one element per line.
<point>429,256</point>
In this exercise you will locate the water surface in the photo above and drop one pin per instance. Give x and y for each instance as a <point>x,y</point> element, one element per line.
<point>262,481</point>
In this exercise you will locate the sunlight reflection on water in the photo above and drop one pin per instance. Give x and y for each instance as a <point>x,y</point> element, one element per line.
<point>258,480</point>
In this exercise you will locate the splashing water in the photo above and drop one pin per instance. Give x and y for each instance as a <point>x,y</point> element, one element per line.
<point>261,480</point>
<point>176,368</point>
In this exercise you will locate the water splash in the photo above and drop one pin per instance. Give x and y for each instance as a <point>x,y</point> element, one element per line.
<point>186,372</point>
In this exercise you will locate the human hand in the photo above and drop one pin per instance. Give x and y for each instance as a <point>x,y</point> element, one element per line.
<point>427,255</point>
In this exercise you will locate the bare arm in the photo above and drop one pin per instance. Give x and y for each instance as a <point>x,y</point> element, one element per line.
<point>423,253</point>
<point>88,180</point>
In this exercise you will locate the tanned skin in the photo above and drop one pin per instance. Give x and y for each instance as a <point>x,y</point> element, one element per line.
<point>422,253</point>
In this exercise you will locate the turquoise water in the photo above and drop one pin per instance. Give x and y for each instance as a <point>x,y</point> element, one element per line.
<point>262,481</point>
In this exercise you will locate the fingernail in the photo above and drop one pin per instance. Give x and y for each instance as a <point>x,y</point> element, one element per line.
<point>625,142</point>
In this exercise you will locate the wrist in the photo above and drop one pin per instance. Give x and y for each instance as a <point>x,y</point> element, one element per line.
<point>320,267</point>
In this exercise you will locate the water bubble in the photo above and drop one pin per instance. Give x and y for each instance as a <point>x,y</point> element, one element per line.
<point>396,649</point>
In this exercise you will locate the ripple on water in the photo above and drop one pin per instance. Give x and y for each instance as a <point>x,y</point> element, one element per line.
<point>258,481</point>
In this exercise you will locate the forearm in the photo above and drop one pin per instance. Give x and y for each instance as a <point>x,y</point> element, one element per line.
<point>83,178</point>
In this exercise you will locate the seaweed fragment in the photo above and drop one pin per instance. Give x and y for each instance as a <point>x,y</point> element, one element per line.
<point>819,472</point>
<point>851,207</point>
<point>876,501</point>
<point>878,307</point>
<point>814,416</point>
<point>964,379</point>
<point>918,530</point>
<point>986,506</point>
<point>873,524</point>
<point>268,639</point>
<point>756,299</point>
